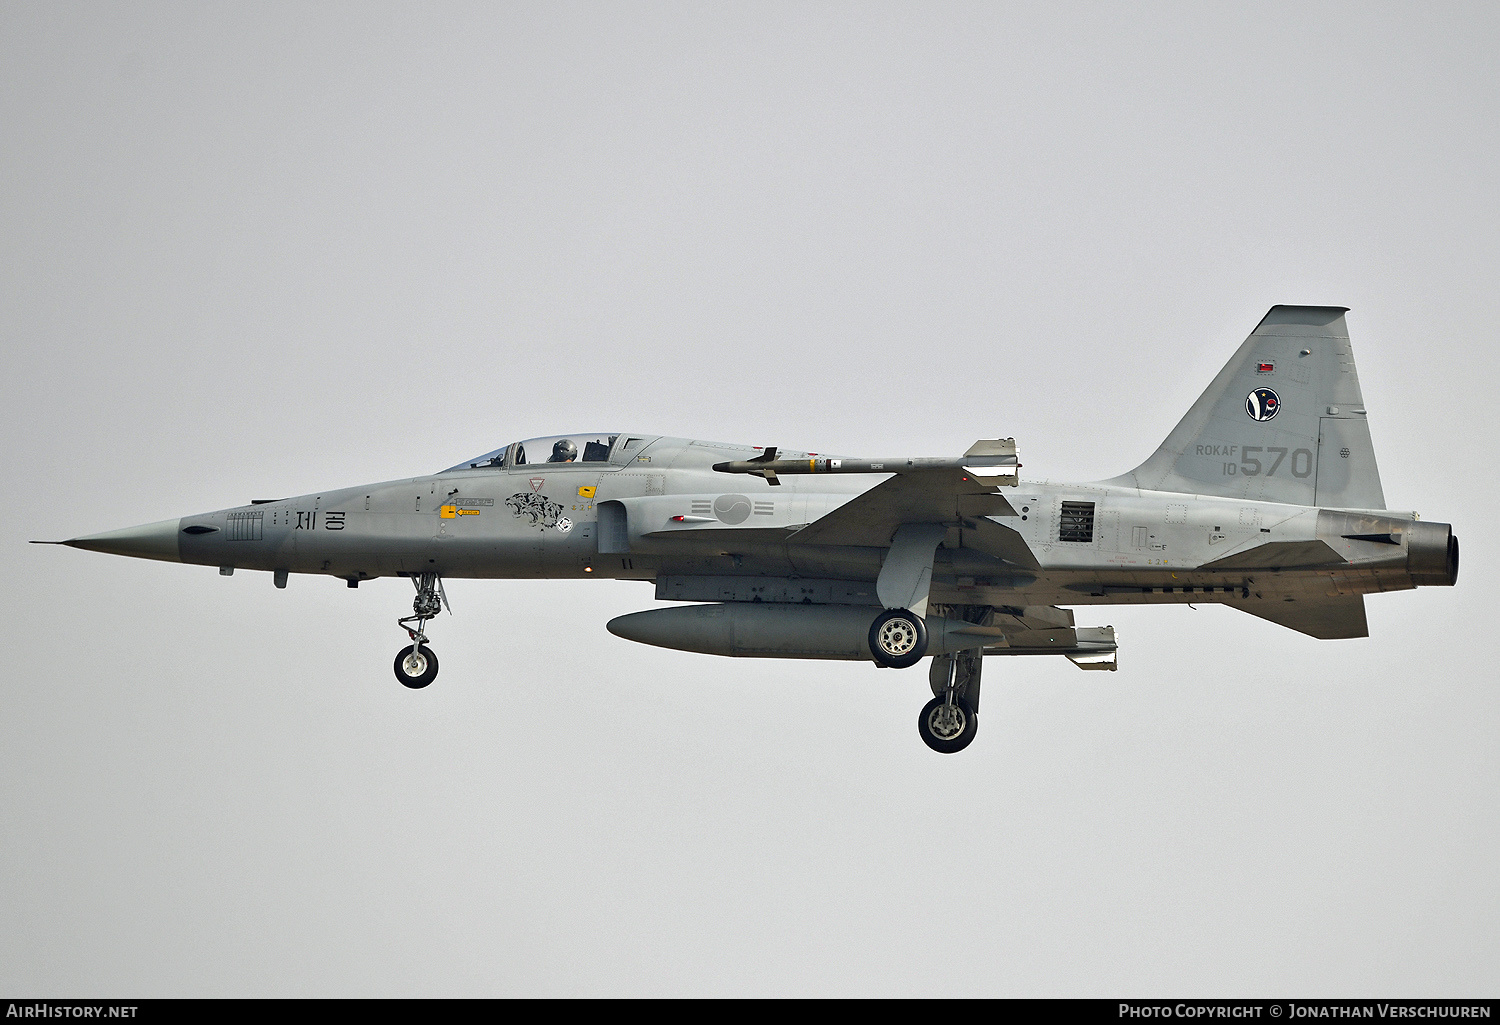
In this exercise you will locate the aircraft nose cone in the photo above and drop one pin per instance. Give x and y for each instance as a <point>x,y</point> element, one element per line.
<point>148,541</point>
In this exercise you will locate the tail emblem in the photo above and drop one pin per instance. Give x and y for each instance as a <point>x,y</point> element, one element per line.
<point>1262,404</point>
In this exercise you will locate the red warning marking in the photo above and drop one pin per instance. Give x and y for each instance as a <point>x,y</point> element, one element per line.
<point>537,482</point>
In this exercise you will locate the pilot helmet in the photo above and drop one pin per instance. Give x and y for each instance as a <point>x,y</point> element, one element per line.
<point>564,451</point>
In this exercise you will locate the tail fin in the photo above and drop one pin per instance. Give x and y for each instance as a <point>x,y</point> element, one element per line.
<point>1283,422</point>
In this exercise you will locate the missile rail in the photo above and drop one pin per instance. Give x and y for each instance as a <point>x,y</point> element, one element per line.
<point>990,462</point>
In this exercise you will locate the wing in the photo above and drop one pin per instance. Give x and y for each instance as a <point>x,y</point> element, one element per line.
<point>950,496</point>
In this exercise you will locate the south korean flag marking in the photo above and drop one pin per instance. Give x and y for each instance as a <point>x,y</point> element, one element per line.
<point>1262,404</point>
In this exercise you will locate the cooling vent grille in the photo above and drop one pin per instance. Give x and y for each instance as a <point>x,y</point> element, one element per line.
<point>245,526</point>
<point>1076,522</point>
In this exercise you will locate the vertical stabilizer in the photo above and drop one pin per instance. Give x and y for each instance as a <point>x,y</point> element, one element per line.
<point>1283,422</point>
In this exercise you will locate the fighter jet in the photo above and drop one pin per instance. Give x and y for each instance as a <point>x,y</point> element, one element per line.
<point>1265,498</point>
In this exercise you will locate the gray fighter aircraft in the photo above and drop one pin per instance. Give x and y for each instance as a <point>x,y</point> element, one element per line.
<point>1265,498</point>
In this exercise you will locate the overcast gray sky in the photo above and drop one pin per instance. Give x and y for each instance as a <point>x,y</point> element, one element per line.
<point>252,251</point>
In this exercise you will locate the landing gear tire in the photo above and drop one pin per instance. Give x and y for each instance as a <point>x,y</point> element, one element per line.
<point>416,669</point>
<point>898,638</point>
<point>947,728</point>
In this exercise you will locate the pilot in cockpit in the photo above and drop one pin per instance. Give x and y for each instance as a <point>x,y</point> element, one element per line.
<point>563,452</point>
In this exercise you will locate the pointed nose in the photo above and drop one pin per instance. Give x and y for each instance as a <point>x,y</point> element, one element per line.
<point>148,541</point>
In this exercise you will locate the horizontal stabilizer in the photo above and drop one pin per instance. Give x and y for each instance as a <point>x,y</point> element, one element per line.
<point>1280,555</point>
<point>1326,618</point>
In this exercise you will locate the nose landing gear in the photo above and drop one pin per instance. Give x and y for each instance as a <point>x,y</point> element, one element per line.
<point>416,669</point>
<point>417,666</point>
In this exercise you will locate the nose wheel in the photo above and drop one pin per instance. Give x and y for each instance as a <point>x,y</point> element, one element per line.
<point>416,669</point>
<point>416,664</point>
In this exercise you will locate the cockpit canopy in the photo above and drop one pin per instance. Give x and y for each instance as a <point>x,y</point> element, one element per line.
<point>563,448</point>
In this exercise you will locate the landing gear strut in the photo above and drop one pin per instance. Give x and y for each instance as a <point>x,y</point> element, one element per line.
<point>949,721</point>
<point>417,665</point>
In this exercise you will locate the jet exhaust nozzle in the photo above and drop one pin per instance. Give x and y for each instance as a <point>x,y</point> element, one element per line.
<point>1432,554</point>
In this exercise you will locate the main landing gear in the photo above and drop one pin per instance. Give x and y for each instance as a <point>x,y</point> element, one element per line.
<point>949,721</point>
<point>947,724</point>
<point>898,639</point>
<point>416,665</point>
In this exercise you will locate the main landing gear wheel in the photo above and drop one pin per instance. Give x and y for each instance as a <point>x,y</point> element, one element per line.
<point>898,638</point>
<point>947,726</point>
<point>416,669</point>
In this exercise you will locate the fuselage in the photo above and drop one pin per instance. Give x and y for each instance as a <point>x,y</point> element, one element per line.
<point>659,512</point>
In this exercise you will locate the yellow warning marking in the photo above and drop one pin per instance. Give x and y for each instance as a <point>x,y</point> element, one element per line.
<point>812,466</point>
<point>447,512</point>
<point>587,492</point>
<point>468,512</point>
